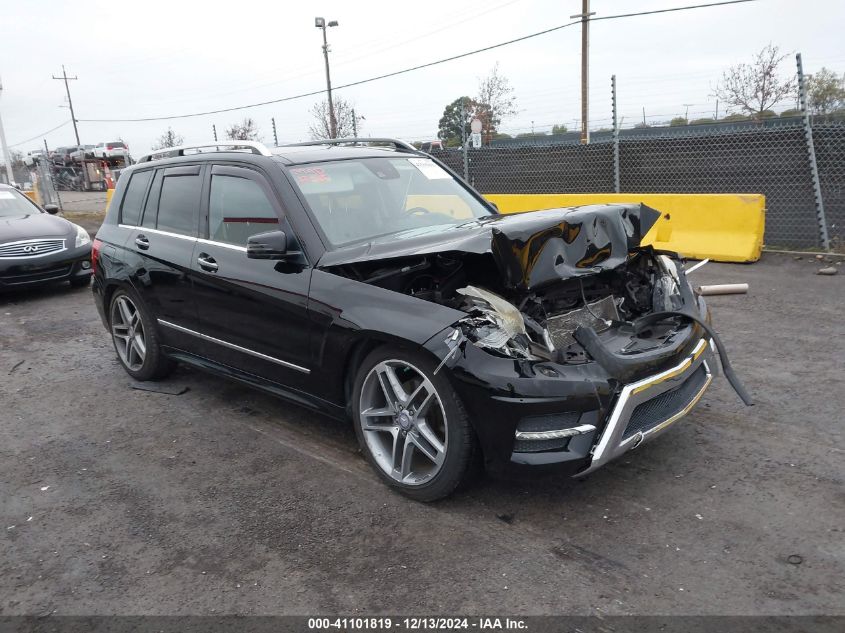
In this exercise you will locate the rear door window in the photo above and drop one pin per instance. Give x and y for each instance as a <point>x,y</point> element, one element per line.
<point>178,205</point>
<point>239,206</point>
<point>136,190</point>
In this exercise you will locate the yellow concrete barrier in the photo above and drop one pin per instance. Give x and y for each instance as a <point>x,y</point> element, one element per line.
<point>32,195</point>
<point>109,194</point>
<point>724,227</point>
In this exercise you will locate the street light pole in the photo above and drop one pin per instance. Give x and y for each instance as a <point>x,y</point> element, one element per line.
<point>320,23</point>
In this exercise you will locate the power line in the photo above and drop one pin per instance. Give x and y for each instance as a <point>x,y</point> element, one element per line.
<point>411,69</point>
<point>38,136</point>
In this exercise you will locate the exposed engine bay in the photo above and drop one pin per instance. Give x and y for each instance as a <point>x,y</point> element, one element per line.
<point>564,285</point>
<point>530,323</point>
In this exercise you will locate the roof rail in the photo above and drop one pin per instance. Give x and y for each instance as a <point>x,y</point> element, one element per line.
<point>169,152</point>
<point>353,141</point>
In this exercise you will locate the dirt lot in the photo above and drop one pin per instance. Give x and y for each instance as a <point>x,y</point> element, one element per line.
<point>224,500</point>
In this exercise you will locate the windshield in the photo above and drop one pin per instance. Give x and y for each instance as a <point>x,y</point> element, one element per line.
<point>13,203</point>
<point>359,200</point>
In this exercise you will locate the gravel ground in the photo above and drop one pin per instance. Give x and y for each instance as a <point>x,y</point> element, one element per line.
<point>224,500</point>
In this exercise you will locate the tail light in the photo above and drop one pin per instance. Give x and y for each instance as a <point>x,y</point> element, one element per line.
<point>95,254</point>
<point>109,147</point>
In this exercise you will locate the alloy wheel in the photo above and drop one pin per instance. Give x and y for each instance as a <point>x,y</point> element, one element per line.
<point>403,422</point>
<point>127,330</point>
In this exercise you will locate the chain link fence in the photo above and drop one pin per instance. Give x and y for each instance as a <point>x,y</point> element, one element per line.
<point>772,159</point>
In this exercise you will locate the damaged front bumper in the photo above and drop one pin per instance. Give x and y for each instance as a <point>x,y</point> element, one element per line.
<point>647,407</point>
<point>574,418</point>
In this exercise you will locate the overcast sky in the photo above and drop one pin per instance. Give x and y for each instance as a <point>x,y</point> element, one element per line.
<point>155,58</point>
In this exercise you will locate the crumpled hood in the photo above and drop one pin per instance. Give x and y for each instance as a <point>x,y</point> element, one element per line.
<point>530,249</point>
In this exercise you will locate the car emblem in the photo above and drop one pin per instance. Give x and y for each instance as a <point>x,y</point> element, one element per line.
<point>31,248</point>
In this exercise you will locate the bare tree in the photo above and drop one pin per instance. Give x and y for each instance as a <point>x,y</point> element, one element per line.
<point>169,139</point>
<point>320,128</point>
<point>756,87</point>
<point>247,130</point>
<point>495,102</point>
<point>825,91</point>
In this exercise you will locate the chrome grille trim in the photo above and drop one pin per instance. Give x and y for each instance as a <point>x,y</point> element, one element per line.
<point>32,248</point>
<point>611,443</point>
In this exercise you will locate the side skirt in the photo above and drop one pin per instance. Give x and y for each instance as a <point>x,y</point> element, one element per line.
<point>268,386</point>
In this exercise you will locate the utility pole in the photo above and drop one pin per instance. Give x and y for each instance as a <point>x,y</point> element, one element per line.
<point>214,130</point>
<point>65,78</point>
<point>7,156</point>
<point>585,68</point>
<point>275,138</point>
<point>320,23</point>
<point>354,124</point>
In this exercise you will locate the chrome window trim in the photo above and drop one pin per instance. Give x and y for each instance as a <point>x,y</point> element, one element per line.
<point>200,240</point>
<point>158,232</point>
<point>610,444</point>
<point>34,240</point>
<point>233,247</point>
<point>237,348</point>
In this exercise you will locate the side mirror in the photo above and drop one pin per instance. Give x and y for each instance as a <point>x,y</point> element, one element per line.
<point>52,209</point>
<point>269,245</point>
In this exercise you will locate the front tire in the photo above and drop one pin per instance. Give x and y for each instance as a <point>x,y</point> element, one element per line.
<point>411,424</point>
<point>135,338</point>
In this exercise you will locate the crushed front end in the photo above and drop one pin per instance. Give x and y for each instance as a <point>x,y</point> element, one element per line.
<point>578,342</point>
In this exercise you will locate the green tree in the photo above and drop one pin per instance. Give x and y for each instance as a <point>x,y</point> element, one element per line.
<point>678,121</point>
<point>733,118</point>
<point>791,112</point>
<point>825,91</point>
<point>450,125</point>
<point>559,128</point>
<point>766,114</point>
<point>702,121</point>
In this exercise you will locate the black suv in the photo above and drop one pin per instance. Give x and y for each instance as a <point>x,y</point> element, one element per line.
<point>364,279</point>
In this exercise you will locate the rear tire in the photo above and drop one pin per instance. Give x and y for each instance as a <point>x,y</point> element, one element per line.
<point>411,424</point>
<point>135,338</point>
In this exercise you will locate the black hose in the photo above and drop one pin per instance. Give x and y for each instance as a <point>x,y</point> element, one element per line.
<point>727,368</point>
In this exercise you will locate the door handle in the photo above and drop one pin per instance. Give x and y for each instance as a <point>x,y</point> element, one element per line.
<point>142,242</point>
<point>207,262</point>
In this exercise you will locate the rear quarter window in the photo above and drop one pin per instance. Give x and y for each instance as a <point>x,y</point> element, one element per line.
<point>178,206</point>
<point>130,209</point>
